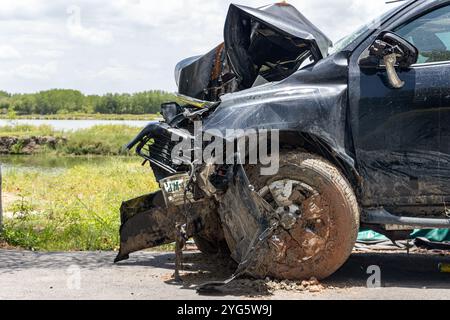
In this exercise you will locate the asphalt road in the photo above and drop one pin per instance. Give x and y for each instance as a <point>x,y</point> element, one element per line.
<point>148,275</point>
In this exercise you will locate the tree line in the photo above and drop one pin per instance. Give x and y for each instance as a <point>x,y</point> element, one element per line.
<point>63,101</point>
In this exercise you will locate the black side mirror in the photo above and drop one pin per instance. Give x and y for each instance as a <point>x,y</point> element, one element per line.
<point>390,51</point>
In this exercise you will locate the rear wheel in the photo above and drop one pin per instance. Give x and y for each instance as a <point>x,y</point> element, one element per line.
<point>318,214</point>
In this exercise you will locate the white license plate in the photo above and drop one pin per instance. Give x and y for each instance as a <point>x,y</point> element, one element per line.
<point>174,186</point>
<point>174,189</point>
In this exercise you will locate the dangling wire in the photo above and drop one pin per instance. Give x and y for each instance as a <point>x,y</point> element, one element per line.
<point>183,227</point>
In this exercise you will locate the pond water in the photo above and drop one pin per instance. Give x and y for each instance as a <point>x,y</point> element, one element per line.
<point>68,125</point>
<point>52,163</point>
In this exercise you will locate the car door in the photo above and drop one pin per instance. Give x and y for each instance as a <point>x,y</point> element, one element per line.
<point>402,135</point>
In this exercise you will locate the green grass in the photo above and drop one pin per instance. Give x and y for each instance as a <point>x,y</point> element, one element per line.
<point>98,140</point>
<point>73,209</point>
<point>85,116</point>
<point>76,206</point>
<point>20,130</point>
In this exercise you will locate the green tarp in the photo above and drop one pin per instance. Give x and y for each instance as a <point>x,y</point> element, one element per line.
<point>436,235</point>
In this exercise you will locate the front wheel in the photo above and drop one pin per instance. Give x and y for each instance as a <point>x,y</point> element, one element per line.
<point>318,214</point>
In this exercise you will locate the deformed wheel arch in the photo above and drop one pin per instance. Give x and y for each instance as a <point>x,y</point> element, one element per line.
<point>313,144</point>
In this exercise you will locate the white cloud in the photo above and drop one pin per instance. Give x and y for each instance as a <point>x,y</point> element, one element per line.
<point>23,9</point>
<point>9,52</point>
<point>340,17</point>
<point>91,35</point>
<point>131,45</point>
<point>51,54</point>
<point>168,13</point>
<point>194,25</point>
<point>36,71</point>
<point>119,73</point>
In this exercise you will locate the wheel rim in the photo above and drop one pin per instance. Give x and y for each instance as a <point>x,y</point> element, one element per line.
<point>304,223</point>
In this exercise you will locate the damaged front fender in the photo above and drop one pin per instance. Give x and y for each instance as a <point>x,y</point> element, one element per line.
<point>312,101</point>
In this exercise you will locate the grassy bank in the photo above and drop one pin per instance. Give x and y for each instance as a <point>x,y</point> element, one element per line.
<point>28,130</point>
<point>72,209</point>
<point>98,140</point>
<point>84,116</point>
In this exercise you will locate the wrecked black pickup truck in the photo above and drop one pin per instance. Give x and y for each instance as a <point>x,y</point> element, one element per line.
<point>360,132</point>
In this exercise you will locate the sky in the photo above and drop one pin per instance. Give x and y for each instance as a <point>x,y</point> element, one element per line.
<point>131,45</point>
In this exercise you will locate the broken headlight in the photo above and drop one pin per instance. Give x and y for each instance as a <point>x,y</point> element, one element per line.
<point>170,110</point>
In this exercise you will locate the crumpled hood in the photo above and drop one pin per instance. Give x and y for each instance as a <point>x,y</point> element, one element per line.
<point>288,19</point>
<point>260,45</point>
<point>281,17</point>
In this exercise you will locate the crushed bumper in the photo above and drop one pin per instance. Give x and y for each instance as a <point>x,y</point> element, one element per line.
<point>146,222</point>
<point>238,214</point>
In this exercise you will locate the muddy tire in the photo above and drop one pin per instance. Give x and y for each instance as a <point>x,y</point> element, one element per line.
<point>322,238</point>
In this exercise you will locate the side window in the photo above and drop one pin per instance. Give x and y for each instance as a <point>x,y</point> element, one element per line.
<point>430,34</point>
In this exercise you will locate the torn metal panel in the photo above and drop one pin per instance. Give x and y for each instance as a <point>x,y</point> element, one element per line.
<point>269,43</point>
<point>273,35</point>
<point>205,77</point>
<point>287,19</point>
<point>242,219</point>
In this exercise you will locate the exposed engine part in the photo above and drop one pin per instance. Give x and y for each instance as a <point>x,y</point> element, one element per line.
<point>203,180</point>
<point>222,177</point>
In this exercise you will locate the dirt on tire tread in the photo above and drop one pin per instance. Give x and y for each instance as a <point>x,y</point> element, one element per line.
<point>318,169</point>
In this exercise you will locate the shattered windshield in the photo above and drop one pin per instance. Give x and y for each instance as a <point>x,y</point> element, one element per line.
<point>373,25</point>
